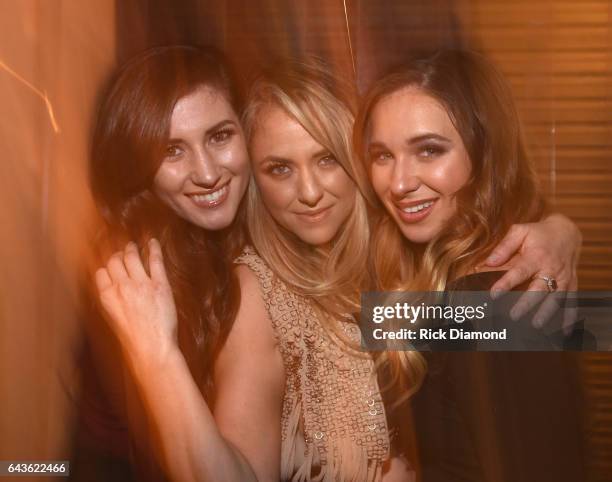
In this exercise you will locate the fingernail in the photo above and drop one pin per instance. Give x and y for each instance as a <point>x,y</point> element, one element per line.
<point>492,258</point>
<point>537,322</point>
<point>515,313</point>
<point>496,293</point>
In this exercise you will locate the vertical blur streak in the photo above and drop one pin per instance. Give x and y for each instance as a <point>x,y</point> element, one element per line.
<point>348,36</point>
<point>57,50</point>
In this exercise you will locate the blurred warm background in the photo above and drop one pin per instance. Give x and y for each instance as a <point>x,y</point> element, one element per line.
<point>54,54</point>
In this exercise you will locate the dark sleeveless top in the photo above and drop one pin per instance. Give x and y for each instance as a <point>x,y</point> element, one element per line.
<point>495,416</point>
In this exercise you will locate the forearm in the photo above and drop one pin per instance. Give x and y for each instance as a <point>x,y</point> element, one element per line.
<point>187,440</point>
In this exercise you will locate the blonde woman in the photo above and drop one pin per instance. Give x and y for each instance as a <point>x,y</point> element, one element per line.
<point>308,219</point>
<point>443,145</point>
<point>294,398</point>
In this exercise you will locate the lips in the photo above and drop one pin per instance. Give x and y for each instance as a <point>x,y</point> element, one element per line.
<point>314,215</point>
<point>415,211</point>
<point>210,199</point>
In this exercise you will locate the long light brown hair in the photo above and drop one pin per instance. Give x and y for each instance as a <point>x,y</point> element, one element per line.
<point>502,189</point>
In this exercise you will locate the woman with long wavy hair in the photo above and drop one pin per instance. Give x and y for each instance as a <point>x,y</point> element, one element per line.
<point>444,148</point>
<point>169,169</point>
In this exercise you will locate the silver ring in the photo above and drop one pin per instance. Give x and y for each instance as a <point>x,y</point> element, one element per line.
<point>551,283</point>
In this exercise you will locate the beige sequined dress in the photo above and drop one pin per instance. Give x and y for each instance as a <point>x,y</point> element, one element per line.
<point>333,420</point>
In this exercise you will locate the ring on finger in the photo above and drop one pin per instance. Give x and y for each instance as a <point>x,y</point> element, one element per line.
<point>551,283</point>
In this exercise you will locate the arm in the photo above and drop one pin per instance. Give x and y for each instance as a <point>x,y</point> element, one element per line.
<point>548,248</point>
<point>250,383</point>
<point>142,314</point>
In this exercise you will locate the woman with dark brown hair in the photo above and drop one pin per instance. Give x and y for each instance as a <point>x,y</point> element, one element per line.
<point>152,177</point>
<point>169,163</point>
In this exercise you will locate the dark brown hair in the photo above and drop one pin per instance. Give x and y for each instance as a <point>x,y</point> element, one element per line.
<point>502,189</point>
<point>131,131</point>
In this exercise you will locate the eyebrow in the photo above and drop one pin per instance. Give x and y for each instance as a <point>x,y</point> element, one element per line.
<point>320,153</point>
<point>210,130</point>
<point>277,159</point>
<point>273,158</point>
<point>414,140</point>
<point>427,137</point>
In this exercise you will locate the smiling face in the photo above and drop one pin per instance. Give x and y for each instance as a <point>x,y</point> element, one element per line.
<point>418,162</point>
<point>205,171</point>
<point>302,185</point>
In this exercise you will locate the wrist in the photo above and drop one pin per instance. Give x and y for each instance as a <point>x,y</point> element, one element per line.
<point>565,227</point>
<point>145,361</point>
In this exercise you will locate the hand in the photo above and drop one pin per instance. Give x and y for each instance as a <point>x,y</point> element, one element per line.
<point>548,248</point>
<point>140,307</point>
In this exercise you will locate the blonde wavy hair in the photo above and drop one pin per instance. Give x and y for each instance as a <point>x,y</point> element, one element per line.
<point>503,187</point>
<point>332,276</point>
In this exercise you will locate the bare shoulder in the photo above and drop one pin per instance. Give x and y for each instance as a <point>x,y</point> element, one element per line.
<point>250,285</point>
<point>252,335</point>
<point>253,318</point>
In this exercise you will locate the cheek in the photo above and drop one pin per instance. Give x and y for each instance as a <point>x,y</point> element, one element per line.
<point>276,194</point>
<point>449,177</point>
<point>339,184</point>
<point>380,180</point>
<point>168,180</point>
<point>236,159</point>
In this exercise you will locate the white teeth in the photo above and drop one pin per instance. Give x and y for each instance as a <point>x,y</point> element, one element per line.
<point>417,208</point>
<point>210,198</point>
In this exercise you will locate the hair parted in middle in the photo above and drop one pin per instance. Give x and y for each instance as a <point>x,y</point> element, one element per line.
<point>502,190</point>
<point>334,277</point>
<point>324,106</point>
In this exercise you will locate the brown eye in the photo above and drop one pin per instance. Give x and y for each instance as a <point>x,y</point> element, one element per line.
<point>380,157</point>
<point>328,160</point>
<point>431,151</point>
<point>173,151</point>
<point>221,136</point>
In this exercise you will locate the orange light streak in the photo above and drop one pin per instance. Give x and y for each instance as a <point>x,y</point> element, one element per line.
<point>42,95</point>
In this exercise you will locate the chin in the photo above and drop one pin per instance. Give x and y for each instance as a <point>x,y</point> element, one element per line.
<point>315,239</point>
<point>215,222</point>
<point>418,236</point>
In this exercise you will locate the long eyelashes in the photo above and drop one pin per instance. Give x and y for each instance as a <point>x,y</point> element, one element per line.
<point>277,169</point>
<point>431,150</point>
<point>222,135</point>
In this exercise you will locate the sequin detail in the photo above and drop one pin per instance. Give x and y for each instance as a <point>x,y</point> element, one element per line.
<point>334,426</point>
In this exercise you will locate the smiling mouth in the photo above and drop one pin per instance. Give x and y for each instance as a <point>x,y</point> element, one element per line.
<point>415,212</point>
<point>314,215</point>
<point>210,199</point>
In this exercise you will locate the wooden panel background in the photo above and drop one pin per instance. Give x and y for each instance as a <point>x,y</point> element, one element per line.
<point>558,58</point>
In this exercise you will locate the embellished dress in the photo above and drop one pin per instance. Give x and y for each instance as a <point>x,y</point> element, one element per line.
<point>333,424</point>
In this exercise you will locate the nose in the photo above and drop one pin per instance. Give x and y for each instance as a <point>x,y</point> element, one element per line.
<point>310,190</point>
<point>404,177</point>
<point>205,170</point>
